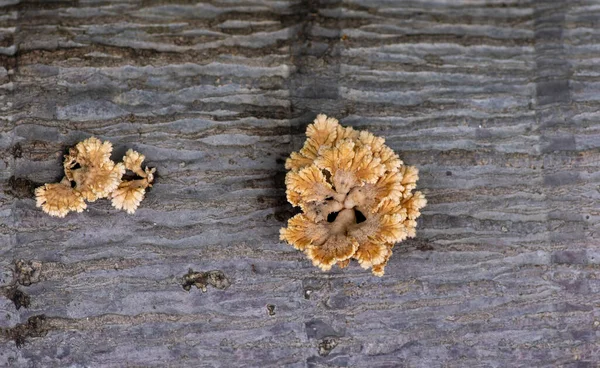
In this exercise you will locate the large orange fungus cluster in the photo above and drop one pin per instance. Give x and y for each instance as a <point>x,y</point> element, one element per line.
<point>356,196</point>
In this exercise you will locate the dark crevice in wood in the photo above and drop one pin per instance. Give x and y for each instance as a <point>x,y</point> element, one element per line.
<point>201,280</point>
<point>36,326</point>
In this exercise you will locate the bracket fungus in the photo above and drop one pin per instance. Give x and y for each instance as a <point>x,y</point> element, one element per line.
<point>356,196</point>
<point>90,174</point>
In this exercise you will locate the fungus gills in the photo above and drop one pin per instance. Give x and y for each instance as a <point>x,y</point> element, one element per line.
<point>356,196</point>
<point>95,175</point>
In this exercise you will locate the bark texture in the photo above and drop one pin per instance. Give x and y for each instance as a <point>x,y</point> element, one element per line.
<point>495,101</point>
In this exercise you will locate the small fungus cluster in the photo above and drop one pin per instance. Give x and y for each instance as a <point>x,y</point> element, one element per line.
<point>90,174</point>
<point>356,196</point>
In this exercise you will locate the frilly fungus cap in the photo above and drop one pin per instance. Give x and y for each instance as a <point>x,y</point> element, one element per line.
<point>355,194</point>
<point>130,193</point>
<point>58,199</point>
<point>97,175</point>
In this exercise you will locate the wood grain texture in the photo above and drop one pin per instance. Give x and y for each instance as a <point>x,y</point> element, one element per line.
<point>495,101</point>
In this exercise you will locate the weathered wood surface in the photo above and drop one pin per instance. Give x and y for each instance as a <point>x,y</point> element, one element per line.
<point>495,101</point>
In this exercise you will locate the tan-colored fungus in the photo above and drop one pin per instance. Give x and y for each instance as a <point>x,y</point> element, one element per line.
<point>58,199</point>
<point>356,196</point>
<point>88,166</point>
<point>130,193</point>
<point>97,175</point>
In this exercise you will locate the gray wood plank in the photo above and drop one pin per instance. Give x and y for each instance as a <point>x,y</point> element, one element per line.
<point>495,101</point>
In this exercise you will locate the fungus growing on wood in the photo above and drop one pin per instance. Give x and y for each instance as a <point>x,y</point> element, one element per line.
<point>130,193</point>
<point>356,196</point>
<point>90,174</point>
<point>58,199</point>
<point>88,164</point>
